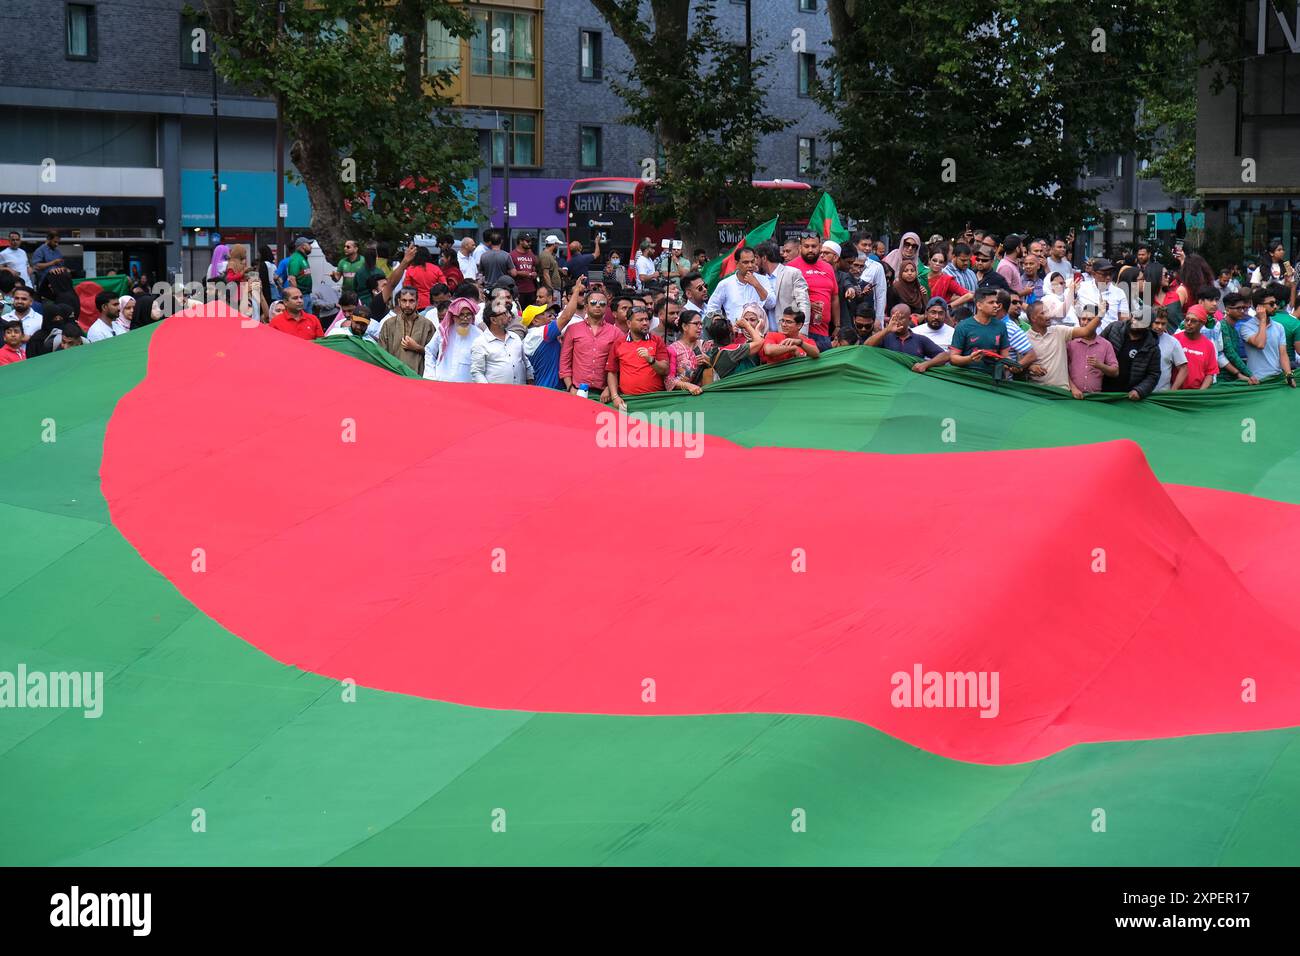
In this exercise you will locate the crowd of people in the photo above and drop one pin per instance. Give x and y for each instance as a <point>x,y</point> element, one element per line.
<point>605,327</point>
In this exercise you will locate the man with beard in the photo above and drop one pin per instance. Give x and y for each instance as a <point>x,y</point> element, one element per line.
<point>823,290</point>
<point>406,333</point>
<point>936,327</point>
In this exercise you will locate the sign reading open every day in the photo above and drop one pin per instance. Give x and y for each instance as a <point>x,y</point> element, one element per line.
<point>80,211</point>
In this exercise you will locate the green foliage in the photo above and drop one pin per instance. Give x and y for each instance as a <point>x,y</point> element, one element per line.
<point>1021,95</point>
<point>351,92</point>
<point>694,88</point>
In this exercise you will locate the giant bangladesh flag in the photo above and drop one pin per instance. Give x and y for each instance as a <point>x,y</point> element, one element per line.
<point>718,269</point>
<point>227,504</point>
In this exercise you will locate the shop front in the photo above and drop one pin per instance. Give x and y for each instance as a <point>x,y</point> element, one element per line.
<point>99,235</point>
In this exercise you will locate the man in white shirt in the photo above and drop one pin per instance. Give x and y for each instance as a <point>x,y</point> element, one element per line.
<point>742,287</point>
<point>936,327</point>
<point>1112,298</point>
<point>497,357</point>
<point>467,257</point>
<point>14,259</point>
<point>109,323</point>
<point>24,313</point>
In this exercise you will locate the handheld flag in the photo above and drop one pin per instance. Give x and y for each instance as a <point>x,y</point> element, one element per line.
<point>92,286</point>
<point>825,220</point>
<point>723,266</point>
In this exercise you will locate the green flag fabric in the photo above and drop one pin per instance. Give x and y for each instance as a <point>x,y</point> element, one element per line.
<point>366,351</point>
<point>825,220</point>
<point>723,266</point>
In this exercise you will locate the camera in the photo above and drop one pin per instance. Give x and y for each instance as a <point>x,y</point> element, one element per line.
<point>666,244</point>
<point>677,245</point>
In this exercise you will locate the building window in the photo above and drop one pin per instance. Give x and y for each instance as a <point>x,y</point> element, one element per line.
<point>503,44</point>
<point>441,50</point>
<point>807,6</point>
<point>807,154</point>
<point>807,73</point>
<point>82,41</point>
<point>194,42</point>
<point>589,147</point>
<point>589,59</point>
<point>523,141</point>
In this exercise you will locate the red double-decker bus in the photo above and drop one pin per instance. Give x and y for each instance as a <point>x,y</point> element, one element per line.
<point>610,205</point>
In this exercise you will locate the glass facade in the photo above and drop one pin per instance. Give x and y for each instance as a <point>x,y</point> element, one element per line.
<point>503,44</point>
<point>1260,221</point>
<point>523,137</point>
<point>77,138</point>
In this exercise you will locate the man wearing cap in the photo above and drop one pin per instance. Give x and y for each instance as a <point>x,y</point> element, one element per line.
<point>823,289</point>
<point>936,327</point>
<point>548,266</point>
<point>298,270</point>
<point>1137,352</point>
<point>1112,298</point>
<point>543,340</point>
<point>747,284</point>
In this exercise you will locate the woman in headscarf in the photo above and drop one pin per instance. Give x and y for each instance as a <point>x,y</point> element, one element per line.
<point>217,269</point>
<point>909,250</point>
<point>126,312</point>
<point>447,356</point>
<point>908,289</point>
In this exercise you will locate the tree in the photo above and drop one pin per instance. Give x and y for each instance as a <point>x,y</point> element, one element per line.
<point>989,110</point>
<point>693,88</point>
<point>373,139</point>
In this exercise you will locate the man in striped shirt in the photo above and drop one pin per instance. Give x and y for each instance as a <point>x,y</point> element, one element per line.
<point>959,268</point>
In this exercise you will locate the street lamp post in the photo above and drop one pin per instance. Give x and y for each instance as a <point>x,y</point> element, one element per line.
<point>508,126</point>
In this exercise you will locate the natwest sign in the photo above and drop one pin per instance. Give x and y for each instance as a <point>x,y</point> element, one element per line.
<point>80,211</point>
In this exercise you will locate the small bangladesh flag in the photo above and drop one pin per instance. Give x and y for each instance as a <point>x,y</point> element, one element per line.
<point>92,286</point>
<point>825,221</point>
<point>723,266</point>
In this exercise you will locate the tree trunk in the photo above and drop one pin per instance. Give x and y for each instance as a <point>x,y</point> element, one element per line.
<point>318,163</point>
<point>697,222</point>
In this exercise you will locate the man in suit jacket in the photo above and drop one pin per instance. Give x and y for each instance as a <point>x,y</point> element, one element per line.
<point>789,285</point>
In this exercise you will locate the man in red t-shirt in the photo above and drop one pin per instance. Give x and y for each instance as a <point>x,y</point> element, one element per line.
<point>788,343</point>
<point>823,290</point>
<point>294,320</point>
<point>1202,354</point>
<point>638,364</point>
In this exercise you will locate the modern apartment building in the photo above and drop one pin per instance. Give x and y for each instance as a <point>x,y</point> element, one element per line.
<point>1248,138</point>
<point>109,122</point>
